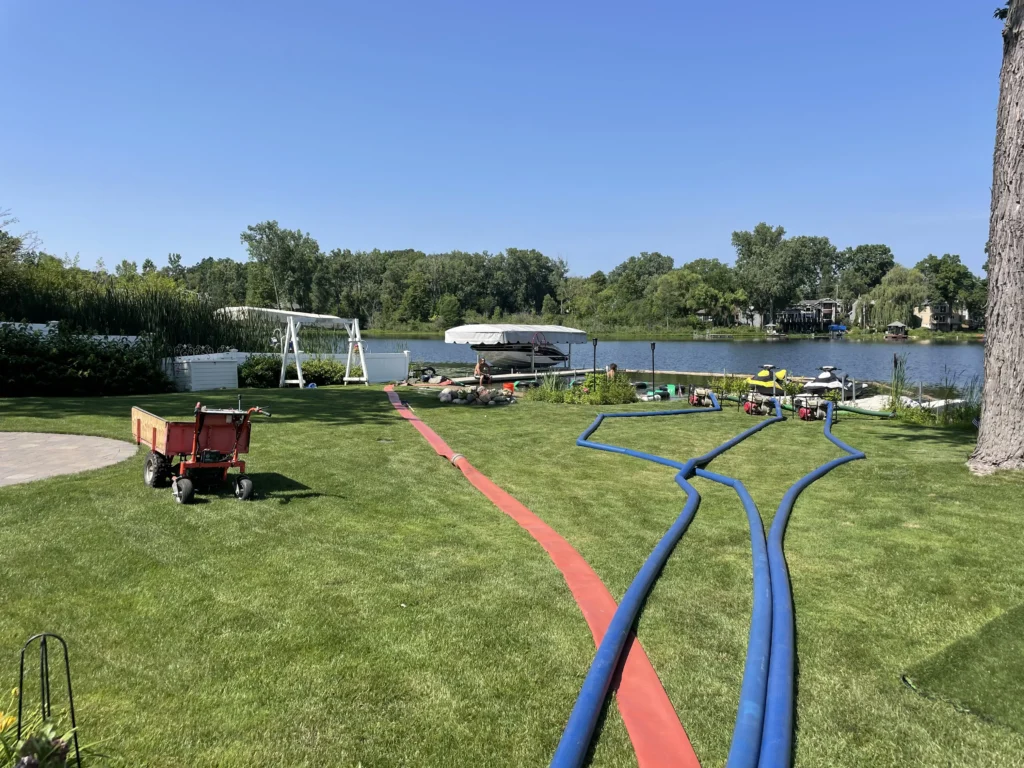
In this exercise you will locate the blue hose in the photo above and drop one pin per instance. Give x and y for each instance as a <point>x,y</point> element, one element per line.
<point>777,738</point>
<point>575,741</point>
<point>746,734</point>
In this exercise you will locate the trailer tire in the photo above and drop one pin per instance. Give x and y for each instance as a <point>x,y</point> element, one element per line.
<point>156,472</point>
<point>243,488</point>
<point>184,491</point>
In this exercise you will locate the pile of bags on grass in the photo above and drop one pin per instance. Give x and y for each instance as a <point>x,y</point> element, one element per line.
<point>474,396</point>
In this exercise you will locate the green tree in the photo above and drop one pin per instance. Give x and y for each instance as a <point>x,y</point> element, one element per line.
<point>416,302</point>
<point>895,297</point>
<point>287,259</point>
<point>948,279</point>
<point>763,267</point>
<point>148,267</point>
<point>126,270</point>
<point>863,268</point>
<point>631,278</point>
<point>449,313</point>
<point>549,309</point>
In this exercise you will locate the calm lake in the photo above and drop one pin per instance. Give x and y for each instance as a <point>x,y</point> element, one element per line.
<point>927,362</point>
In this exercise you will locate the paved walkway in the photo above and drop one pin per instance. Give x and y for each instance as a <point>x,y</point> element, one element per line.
<point>27,456</point>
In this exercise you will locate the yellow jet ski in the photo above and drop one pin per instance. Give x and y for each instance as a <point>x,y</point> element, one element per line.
<point>761,382</point>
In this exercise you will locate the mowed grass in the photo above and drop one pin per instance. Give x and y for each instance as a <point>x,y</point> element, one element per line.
<point>274,632</point>
<point>974,673</point>
<point>369,607</point>
<point>893,559</point>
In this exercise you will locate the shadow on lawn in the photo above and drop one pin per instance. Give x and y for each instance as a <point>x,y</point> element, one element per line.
<point>267,485</point>
<point>342,406</point>
<point>959,437</point>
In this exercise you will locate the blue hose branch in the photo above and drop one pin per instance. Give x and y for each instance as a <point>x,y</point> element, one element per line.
<point>777,739</point>
<point>746,734</point>
<point>575,741</point>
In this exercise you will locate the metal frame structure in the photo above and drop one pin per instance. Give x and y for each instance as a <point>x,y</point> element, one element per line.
<point>290,343</point>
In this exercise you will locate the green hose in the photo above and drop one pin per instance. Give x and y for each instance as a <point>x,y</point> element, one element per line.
<point>839,406</point>
<point>865,411</point>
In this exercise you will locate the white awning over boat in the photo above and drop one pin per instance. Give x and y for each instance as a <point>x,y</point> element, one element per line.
<point>513,334</point>
<point>308,319</point>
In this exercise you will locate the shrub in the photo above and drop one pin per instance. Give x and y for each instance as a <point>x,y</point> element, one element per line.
<point>599,390</point>
<point>264,372</point>
<point>260,372</point>
<point>66,365</point>
<point>323,372</point>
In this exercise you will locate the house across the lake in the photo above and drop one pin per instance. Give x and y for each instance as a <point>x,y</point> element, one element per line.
<point>939,316</point>
<point>810,315</point>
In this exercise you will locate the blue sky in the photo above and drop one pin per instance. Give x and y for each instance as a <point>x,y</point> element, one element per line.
<point>591,131</point>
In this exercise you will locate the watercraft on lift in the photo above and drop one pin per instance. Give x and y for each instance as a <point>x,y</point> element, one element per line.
<point>768,381</point>
<point>517,347</point>
<point>827,381</point>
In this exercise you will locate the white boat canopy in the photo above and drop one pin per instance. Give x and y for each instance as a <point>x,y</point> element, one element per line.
<point>486,333</point>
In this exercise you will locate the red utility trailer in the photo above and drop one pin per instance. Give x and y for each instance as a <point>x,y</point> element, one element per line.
<point>206,449</point>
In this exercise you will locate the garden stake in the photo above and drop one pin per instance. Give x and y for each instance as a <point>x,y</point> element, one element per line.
<point>44,685</point>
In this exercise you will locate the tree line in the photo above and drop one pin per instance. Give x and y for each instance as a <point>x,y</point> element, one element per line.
<point>413,290</point>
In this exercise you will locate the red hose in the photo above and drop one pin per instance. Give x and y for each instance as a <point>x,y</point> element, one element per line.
<point>653,725</point>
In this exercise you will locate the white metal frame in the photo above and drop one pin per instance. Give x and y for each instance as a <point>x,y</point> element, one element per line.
<point>290,343</point>
<point>355,339</point>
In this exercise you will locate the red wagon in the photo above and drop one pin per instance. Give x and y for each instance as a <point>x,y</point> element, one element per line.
<point>206,449</point>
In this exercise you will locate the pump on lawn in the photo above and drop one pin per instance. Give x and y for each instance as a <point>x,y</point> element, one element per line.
<point>810,408</point>
<point>758,405</point>
<point>701,396</point>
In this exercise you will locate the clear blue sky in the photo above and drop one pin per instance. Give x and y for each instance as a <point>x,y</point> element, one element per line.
<point>591,131</point>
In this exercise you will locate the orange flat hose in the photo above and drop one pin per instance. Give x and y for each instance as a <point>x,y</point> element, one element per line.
<point>653,725</point>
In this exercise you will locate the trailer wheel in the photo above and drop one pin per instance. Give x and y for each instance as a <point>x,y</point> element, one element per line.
<point>184,491</point>
<point>243,488</point>
<point>156,471</point>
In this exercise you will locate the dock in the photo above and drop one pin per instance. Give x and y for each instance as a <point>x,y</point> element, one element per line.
<point>530,375</point>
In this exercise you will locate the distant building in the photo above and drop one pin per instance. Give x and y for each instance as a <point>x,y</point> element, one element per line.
<point>939,316</point>
<point>809,316</point>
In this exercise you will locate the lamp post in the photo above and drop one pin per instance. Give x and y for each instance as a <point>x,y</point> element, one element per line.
<point>653,388</point>
<point>595,360</point>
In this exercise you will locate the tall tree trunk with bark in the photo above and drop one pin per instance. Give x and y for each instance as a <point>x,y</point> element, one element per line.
<point>1001,437</point>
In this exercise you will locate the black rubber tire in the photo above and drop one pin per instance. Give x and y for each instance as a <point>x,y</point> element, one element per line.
<point>156,471</point>
<point>184,491</point>
<point>243,488</point>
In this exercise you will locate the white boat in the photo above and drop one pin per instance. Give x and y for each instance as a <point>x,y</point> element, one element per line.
<point>827,381</point>
<point>518,347</point>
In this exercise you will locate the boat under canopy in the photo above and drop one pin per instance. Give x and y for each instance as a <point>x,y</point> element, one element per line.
<point>510,333</point>
<point>514,346</point>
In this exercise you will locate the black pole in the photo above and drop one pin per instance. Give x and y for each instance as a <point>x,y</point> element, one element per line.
<point>653,388</point>
<point>594,340</point>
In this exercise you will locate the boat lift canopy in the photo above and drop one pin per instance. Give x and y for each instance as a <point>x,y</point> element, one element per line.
<point>293,322</point>
<point>486,333</point>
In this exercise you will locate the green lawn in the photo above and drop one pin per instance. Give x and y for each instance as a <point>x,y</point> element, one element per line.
<point>274,632</point>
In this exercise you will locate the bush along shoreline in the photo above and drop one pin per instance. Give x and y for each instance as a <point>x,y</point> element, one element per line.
<point>63,364</point>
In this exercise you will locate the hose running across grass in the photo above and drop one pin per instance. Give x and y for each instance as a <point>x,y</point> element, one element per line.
<point>777,739</point>
<point>572,749</point>
<point>658,737</point>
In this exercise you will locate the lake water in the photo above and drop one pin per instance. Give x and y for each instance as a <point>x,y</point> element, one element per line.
<point>928,362</point>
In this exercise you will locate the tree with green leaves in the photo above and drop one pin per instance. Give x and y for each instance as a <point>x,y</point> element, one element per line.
<point>895,297</point>
<point>1001,434</point>
<point>286,259</point>
<point>764,269</point>
<point>448,311</point>
<point>863,267</point>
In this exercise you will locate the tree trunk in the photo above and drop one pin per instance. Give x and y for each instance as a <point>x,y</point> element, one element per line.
<point>1001,436</point>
